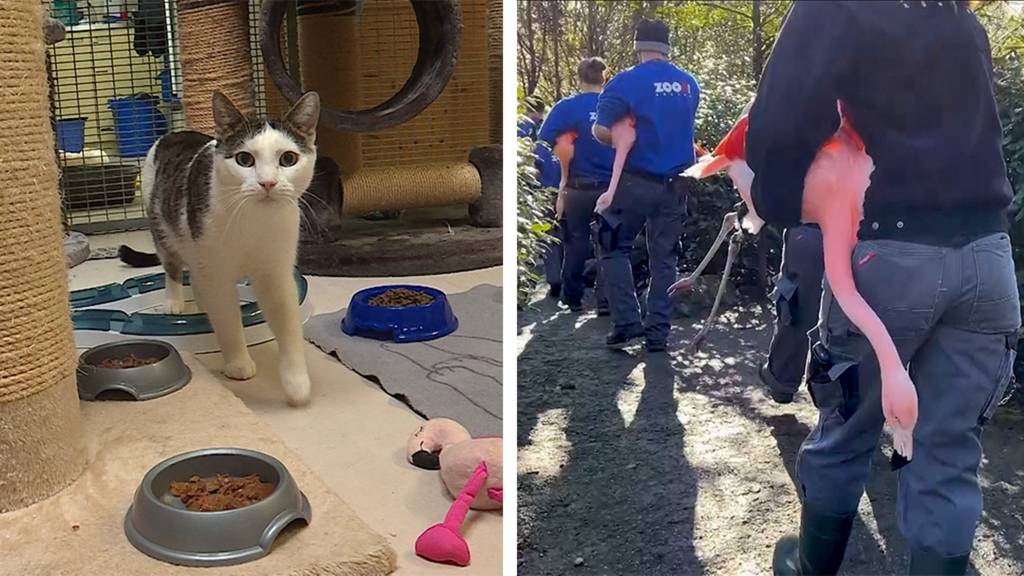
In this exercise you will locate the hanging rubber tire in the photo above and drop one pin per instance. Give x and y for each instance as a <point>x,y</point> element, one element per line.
<point>440,27</point>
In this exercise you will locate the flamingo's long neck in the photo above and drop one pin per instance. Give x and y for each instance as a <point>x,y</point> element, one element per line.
<point>623,134</point>
<point>621,152</point>
<point>564,150</point>
<point>839,237</point>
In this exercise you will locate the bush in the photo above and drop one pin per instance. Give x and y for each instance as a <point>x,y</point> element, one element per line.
<point>532,224</point>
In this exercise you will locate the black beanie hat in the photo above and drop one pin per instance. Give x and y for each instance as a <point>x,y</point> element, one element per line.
<point>651,35</point>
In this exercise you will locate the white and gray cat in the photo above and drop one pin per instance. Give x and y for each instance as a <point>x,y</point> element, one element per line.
<point>227,208</point>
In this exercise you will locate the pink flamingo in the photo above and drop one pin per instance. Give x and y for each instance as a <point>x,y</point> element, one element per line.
<point>833,198</point>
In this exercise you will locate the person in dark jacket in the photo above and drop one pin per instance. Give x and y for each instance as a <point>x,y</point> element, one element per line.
<point>933,260</point>
<point>589,172</point>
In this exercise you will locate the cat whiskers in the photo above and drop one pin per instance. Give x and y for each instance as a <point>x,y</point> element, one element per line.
<point>235,205</point>
<point>303,219</point>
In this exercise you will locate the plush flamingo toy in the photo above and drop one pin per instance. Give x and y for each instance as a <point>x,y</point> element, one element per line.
<point>833,198</point>
<point>468,466</point>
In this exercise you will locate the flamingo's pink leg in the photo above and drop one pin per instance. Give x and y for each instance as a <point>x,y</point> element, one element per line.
<point>495,494</point>
<point>728,225</point>
<point>734,249</point>
<point>444,542</point>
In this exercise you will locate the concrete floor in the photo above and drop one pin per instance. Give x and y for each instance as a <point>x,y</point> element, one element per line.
<point>352,435</point>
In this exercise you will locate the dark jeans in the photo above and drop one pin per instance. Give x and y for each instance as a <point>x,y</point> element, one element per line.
<point>797,298</point>
<point>953,314</point>
<point>641,201</point>
<point>579,210</point>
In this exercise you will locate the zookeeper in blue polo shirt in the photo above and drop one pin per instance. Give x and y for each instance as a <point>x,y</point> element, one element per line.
<point>589,172</point>
<point>663,100</point>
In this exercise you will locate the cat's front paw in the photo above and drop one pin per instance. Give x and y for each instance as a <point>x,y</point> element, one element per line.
<point>296,386</point>
<point>240,369</point>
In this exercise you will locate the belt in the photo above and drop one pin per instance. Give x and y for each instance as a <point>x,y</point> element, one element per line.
<point>650,177</point>
<point>580,183</point>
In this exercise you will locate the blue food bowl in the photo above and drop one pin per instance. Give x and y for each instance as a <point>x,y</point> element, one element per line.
<point>399,324</point>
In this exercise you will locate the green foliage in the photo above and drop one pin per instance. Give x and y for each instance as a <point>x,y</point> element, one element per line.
<point>532,224</point>
<point>725,44</point>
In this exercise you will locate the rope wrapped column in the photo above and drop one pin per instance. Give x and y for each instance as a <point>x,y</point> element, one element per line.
<point>41,448</point>
<point>416,186</point>
<point>494,68</point>
<point>214,36</point>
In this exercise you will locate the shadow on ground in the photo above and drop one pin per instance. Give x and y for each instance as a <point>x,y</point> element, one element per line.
<point>637,464</point>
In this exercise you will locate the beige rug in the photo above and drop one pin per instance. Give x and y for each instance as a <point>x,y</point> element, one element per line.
<point>79,531</point>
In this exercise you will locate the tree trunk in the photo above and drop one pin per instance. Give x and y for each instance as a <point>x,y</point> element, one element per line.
<point>757,42</point>
<point>556,16</point>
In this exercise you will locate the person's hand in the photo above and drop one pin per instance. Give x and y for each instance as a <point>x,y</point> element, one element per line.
<point>560,204</point>
<point>603,202</point>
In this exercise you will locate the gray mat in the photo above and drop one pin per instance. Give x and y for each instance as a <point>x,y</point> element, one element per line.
<point>457,377</point>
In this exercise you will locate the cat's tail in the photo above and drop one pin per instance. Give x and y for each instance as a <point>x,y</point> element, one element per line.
<point>137,259</point>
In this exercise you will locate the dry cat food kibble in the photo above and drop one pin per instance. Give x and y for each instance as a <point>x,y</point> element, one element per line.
<point>221,492</point>
<point>401,298</point>
<point>130,361</point>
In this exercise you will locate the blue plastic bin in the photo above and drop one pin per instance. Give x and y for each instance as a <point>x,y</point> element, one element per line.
<point>138,124</point>
<point>71,134</point>
<point>166,94</point>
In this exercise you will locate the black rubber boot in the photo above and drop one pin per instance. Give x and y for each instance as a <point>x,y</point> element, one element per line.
<point>927,564</point>
<point>820,548</point>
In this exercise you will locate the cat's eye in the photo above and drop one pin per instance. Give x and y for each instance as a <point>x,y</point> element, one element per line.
<point>289,159</point>
<point>245,160</point>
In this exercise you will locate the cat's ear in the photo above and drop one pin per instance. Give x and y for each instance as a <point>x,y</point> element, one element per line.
<point>227,119</point>
<point>304,115</point>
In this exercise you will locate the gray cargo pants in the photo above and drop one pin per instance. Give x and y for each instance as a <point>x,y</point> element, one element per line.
<point>797,298</point>
<point>953,314</point>
<point>659,205</point>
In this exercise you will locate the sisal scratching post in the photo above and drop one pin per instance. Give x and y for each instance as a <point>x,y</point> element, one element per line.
<point>329,57</point>
<point>214,36</point>
<point>418,186</point>
<point>41,449</point>
<point>494,68</point>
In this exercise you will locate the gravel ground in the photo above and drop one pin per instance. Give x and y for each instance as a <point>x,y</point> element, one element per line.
<point>673,464</point>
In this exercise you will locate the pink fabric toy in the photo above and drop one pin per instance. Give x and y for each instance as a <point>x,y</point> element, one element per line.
<point>833,198</point>
<point>468,466</point>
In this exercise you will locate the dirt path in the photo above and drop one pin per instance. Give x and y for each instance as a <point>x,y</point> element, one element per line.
<point>678,464</point>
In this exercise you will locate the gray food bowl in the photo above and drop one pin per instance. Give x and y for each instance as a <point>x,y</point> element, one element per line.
<point>144,382</point>
<point>159,525</point>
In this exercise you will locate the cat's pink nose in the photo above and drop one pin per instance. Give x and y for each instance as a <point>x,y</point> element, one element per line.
<point>268,185</point>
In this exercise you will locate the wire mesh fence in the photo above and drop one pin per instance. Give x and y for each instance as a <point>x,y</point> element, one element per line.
<point>113,80</point>
<point>115,83</point>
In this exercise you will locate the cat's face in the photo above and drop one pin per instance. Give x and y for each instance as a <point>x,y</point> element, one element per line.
<point>265,161</point>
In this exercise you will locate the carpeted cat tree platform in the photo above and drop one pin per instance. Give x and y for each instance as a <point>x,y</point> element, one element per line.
<point>68,470</point>
<point>80,530</point>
